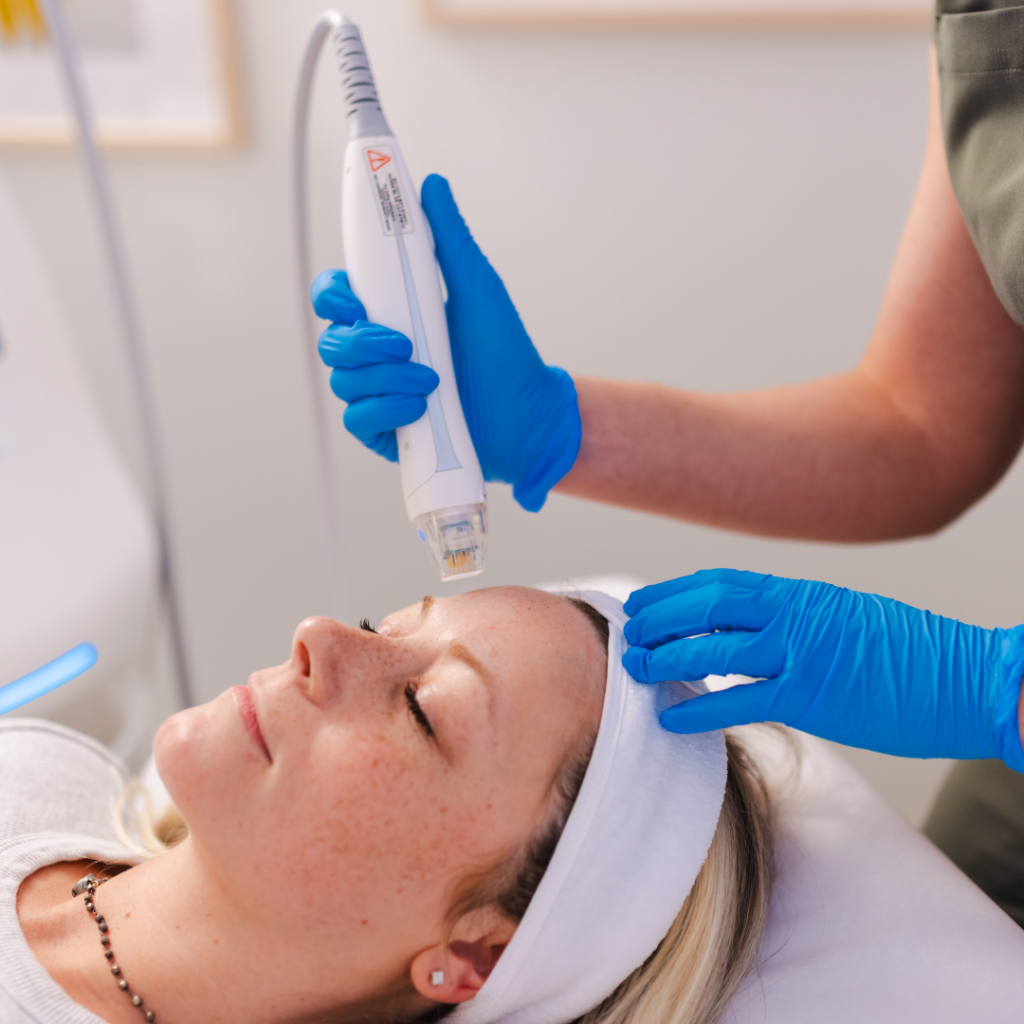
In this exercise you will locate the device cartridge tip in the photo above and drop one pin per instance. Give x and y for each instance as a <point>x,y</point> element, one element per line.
<point>457,538</point>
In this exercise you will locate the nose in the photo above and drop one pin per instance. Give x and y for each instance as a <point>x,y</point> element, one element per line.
<point>331,659</point>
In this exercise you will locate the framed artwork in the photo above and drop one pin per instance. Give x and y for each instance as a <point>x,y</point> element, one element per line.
<point>159,73</point>
<point>740,14</point>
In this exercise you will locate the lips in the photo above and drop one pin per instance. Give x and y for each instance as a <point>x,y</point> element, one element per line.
<point>247,711</point>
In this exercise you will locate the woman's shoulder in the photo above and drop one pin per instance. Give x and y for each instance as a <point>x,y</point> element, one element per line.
<point>53,779</point>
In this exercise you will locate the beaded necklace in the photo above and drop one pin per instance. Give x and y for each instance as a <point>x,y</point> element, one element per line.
<point>88,885</point>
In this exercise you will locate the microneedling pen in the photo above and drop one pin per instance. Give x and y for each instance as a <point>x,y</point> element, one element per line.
<point>392,269</point>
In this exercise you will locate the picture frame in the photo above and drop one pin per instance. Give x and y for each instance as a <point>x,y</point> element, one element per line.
<point>159,74</point>
<point>741,15</point>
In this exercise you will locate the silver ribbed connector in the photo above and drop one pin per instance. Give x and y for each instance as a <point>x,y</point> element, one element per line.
<point>362,106</point>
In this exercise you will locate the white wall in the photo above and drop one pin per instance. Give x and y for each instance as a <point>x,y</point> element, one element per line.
<point>717,211</point>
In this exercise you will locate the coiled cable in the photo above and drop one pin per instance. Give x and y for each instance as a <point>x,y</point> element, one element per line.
<point>326,25</point>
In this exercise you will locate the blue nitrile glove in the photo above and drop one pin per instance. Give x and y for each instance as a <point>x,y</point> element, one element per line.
<point>371,364</point>
<point>522,415</point>
<point>856,668</point>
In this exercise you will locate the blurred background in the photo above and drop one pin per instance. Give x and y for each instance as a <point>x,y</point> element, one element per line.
<point>714,210</point>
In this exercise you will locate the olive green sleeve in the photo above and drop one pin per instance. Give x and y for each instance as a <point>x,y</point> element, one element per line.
<point>981,74</point>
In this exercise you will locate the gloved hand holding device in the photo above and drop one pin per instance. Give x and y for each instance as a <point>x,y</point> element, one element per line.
<point>856,668</point>
<point>522,415</point>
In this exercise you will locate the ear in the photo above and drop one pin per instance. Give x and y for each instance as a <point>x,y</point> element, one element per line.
<point>465,960</point>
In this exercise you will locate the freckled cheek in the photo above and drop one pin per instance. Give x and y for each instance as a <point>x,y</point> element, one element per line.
<point>351,837</point>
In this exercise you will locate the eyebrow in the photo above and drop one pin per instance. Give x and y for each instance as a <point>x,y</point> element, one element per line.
<point>460,651</point>
<point>456,648</point>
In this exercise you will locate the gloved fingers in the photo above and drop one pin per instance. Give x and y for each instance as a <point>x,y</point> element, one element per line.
<point>333,298</point>
<point>739,705</point>
<point>447,224</point>
<point>716,606</point>
<point>383,379</point>
<point>718,654</point>
<point>363,344</point>
<point>380,415</point>
<point>457,252</point>
<point>646,596</point>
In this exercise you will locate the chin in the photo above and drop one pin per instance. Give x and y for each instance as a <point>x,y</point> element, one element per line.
<point>185,748</point>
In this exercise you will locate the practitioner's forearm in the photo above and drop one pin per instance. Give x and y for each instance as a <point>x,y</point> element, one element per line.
<point>923,427</point>
<point>829,460</point>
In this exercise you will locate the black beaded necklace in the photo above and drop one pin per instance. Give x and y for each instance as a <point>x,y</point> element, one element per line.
<point>88,885</point>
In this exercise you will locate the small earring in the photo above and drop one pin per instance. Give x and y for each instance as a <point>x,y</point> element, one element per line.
<point>437,977</point>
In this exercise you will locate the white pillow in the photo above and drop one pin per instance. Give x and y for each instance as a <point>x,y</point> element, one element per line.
<point>869,921</point>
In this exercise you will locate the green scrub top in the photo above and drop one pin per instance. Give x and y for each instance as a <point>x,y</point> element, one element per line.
<point>980,47</point>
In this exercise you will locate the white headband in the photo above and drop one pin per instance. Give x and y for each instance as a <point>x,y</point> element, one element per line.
<point>630,852</point>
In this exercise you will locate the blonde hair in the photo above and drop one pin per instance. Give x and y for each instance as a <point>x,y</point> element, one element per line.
<point>714,940</point>
<point>138,830</point>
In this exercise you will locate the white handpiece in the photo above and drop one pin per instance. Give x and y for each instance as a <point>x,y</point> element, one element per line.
<point>389,254</point>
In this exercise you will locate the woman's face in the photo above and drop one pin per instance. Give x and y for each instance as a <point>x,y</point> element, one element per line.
<point>342,796</point>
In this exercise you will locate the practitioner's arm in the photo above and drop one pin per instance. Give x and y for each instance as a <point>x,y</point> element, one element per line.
<point>927,422</point>
<point>925,425</point>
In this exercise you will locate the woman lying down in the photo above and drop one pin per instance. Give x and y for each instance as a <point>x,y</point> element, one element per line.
<point>470,812</point>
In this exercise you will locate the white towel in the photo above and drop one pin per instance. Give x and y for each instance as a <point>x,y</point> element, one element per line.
<point>631,850</point>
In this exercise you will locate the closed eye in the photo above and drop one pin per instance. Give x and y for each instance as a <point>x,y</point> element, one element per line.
<point>417,711</point>
<point>410,693</point>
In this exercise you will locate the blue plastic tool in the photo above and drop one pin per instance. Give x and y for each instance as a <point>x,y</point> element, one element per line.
<point>54,673</point>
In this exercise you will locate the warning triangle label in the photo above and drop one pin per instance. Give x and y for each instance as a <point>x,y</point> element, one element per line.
<point>377,160</point>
